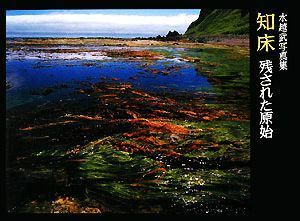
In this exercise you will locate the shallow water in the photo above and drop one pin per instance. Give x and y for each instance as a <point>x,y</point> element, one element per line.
<point>77,133</point>
<point>26,72</point>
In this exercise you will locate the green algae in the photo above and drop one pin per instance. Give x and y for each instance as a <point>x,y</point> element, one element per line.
<point>227,68</point>
<point>201,175</point>
<point>124,178</point>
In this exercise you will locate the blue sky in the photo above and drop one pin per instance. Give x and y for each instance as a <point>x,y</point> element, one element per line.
<point>145,21</point>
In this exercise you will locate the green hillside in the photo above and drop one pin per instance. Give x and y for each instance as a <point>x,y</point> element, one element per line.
<point>212,22</point>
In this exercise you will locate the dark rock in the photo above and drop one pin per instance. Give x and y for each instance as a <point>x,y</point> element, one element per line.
<point>8,85</point>
<point>47,91</point>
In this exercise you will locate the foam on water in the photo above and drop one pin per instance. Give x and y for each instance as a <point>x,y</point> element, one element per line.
<point>12,55</point>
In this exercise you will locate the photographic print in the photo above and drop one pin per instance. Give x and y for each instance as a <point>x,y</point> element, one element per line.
<point>139,111</point>
<point>125,111</point>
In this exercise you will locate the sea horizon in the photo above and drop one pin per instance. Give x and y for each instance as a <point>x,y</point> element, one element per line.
<point>76,35</point>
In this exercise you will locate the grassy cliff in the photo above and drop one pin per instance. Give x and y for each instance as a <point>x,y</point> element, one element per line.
<point>216,22</point>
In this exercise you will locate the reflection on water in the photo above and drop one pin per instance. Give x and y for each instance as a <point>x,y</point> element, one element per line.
<point>26,74</point>
<point>121,134</point>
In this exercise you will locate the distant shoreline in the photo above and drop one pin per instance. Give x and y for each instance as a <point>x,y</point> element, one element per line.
<point>34,37</point>
<point>169,37</point>
<point>162,38</point>
<point>217,41</point>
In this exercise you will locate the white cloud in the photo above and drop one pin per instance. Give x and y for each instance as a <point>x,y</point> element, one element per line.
<point>101,23</point>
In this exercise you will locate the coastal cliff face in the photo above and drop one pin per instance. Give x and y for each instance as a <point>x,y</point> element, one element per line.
<point>213,22</point>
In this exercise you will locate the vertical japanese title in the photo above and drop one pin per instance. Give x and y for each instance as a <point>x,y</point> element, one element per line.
<point>266,44</point>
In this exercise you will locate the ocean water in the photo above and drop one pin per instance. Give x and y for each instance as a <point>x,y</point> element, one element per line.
<point>43,168</point>
<point>74,35</point>
<point>33,71</point>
